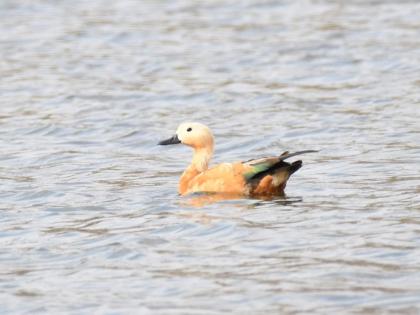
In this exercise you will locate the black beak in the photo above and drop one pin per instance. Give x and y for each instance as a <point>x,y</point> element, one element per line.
<point>173,140</point>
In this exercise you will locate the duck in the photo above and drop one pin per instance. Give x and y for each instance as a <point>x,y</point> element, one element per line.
<point>265,176</point>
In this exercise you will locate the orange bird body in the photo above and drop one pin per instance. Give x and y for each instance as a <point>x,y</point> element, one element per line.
<point>259,177</point>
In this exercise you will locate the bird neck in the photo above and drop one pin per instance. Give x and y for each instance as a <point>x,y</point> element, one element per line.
<point>201,158</point>
<point>199,164</point>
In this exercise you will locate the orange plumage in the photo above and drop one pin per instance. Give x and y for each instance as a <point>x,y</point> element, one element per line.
<point>259,177</point>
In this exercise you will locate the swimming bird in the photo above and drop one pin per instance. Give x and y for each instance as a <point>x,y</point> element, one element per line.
<point>258,177</point>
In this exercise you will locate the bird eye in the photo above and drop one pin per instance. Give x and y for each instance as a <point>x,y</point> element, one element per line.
<point>189,129</point>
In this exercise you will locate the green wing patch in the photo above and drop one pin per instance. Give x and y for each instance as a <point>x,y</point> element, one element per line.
<point>260,165</point>
<point>265,164</point>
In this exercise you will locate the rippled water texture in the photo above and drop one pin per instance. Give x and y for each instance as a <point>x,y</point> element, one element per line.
<point>90,219</point>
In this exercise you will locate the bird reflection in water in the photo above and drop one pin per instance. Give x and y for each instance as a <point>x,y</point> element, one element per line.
<point>199,200</point>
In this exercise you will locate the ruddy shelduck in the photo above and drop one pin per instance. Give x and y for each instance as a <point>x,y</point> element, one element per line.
<point>259,177</point>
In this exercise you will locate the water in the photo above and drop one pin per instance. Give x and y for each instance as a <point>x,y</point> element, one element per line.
<point>91,222</point>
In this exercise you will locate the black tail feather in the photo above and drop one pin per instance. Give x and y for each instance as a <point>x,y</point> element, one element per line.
<point>295,166</point>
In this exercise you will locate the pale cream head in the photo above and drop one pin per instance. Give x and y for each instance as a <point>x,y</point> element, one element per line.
<point>195,135</point>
